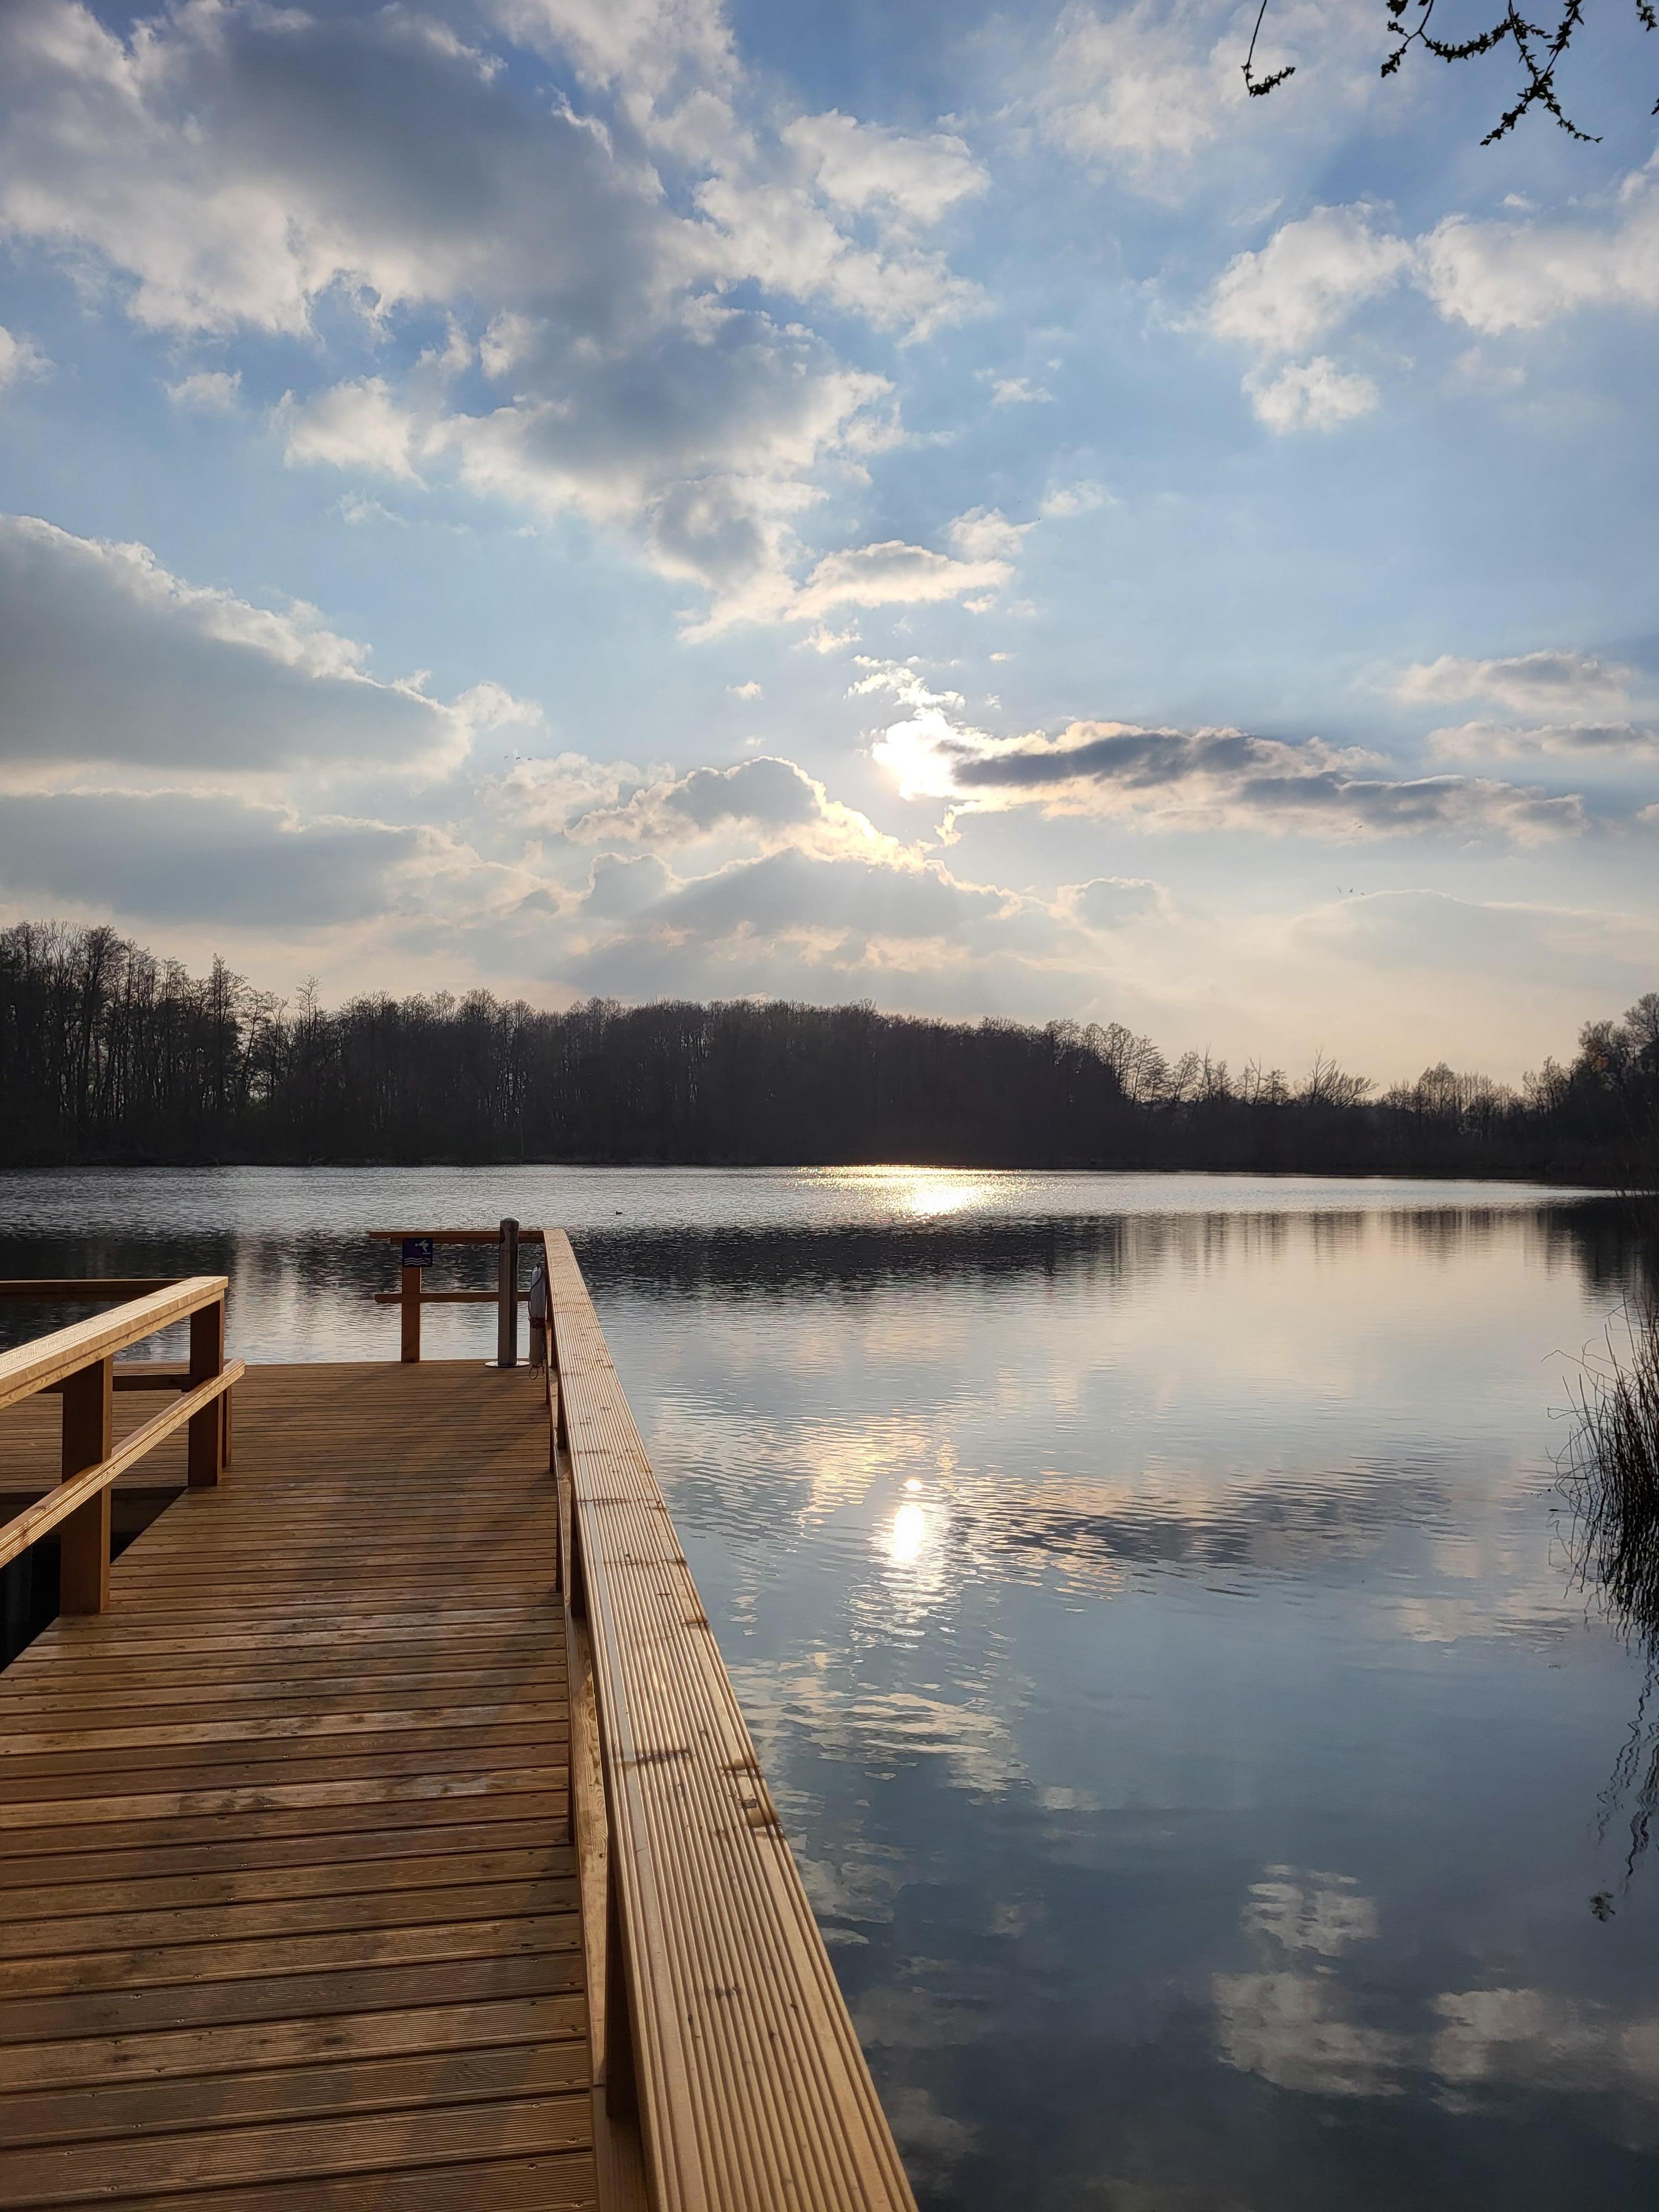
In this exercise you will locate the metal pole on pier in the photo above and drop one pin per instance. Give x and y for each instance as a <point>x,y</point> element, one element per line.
<point>506,1326</point>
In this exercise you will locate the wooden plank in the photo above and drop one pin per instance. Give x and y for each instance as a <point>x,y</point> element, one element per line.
<point>329,1829</point>
<point>331,1720</point>
<point>372,1767</point>
<point>752,2090</point>
<point>134,1929</point>
<point>200,2054</point>
<point>292,1692</point>
<point>47,1360</point>
<point>288,1996</point>
<point>565,2183</point>
<point>389,1879</point>
<point>224,1957</point>
<point>444,2076</point>
<point>241,2156</point>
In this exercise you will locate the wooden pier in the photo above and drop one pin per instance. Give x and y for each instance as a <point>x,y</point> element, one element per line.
<point>382,1831</point>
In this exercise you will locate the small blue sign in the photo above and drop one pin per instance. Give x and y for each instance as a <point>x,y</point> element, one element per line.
<point>417,1251</point>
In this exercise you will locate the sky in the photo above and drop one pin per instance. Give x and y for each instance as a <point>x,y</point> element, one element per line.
<point>958,508</point>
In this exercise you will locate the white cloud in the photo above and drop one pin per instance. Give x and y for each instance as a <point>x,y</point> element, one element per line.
<point>19,359</point>
<point>1139,91</point>
<point>353,426</point>
<point>1469,946</point>
<point>865,165</point>
<point>208,391</point>
<point>1567,684</point>
<point>779,236</point>
<point>670,64</point>
<point>984,533</point>
<point>771,803</point>
<point>1519,276</point>
<point>1516,275</point>
<point>796,923</point>
<point>1080,498</point>
<point>1583,741</point>
<point>107,656</point>
<point>894,574</point>
<point>1148,91</point>
<point>547,793</point>
<point>904,679</point>
<point>1311,395</point>
<point>232,167</point>
<point>1307,279</point>
<point>352,508</point>
<point>1018,391</point>
<point>1296,289</point>
<point>1477,370</point>
<point>1110,903</point>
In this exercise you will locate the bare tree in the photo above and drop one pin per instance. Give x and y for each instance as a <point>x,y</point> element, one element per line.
<point>1538,49</point>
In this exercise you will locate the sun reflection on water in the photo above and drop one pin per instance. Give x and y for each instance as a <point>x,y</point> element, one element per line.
<point>907,1538</point>
<point>925,1194</point>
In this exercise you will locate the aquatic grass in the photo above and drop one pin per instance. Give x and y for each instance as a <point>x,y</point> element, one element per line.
<point>1609,1476</point>
<point>1610,1472</point>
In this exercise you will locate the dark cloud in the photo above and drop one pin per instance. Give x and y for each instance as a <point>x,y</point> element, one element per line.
<point>1229,778</point>
<point>104,656</point>
<point>243,160</point>
<point>169,858</point>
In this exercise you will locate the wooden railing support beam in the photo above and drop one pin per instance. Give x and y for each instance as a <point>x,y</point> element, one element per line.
<point>88,1436</point>
<point>205,1454</point>
<point>506,1326</point>
<point>410,1294</point>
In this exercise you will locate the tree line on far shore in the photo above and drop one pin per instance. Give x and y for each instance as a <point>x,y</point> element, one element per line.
<point>110,1054</point>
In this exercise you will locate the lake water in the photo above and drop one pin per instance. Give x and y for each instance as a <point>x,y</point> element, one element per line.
<point>1150,1601</point>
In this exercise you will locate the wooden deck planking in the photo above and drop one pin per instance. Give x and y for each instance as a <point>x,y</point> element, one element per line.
<point>291,1908</point>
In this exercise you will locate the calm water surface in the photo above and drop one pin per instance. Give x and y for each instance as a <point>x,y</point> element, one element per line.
<point>1150,1598</point>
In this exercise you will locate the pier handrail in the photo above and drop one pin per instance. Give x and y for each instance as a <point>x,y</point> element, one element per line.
<point>717,2018</point>
<point>79,1363</point>
<point>412,1294</point>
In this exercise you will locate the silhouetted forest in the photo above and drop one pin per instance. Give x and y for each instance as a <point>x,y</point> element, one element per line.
<point>108,1053</point>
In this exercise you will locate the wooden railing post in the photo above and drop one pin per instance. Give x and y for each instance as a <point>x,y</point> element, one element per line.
<point>507,1323</point>
<point>89,1439</point>
<point>205,1453</point>
<point>409,1284</point>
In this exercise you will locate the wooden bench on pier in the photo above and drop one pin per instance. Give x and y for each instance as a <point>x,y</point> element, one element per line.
<point>381,1830</point>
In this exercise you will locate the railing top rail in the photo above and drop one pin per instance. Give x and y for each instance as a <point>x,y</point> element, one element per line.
<point>452,1236</point>
<point>36,1365</point>
<point>753,2092</point>
<point>39,1519</point>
